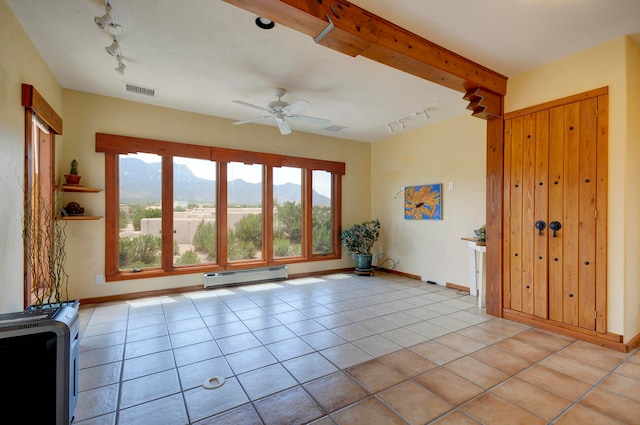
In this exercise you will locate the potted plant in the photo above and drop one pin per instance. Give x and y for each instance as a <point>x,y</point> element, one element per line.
<point>359,240</point>
<point>73,177</point>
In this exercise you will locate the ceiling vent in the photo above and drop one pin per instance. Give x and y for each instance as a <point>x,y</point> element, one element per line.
<point>145,91</point>
<point>334,128</point>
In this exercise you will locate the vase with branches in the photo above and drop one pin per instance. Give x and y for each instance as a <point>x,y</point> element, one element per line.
<point>44,248</point>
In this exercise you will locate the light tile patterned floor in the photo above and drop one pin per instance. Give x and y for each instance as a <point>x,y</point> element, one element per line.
<point>340,349</point>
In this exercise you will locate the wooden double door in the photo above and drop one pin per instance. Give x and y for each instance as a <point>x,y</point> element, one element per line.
<point>555,197</point>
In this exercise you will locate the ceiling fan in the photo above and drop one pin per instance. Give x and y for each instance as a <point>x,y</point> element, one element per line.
<point>282,111</point>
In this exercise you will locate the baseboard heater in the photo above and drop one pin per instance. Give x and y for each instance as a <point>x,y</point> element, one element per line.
<point>236,277</point>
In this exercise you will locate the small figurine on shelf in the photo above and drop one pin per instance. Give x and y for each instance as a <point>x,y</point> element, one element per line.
<point>481,234</point>
<point>73,177</point>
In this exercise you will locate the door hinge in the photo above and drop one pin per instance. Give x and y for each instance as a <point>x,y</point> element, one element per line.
<point>595,315</point>
<point>596,113</point>
<point>595,214</point>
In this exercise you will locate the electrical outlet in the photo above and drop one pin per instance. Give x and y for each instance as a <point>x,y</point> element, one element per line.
<point>99,279</point>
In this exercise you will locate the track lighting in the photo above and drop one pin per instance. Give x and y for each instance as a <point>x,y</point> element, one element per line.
<point>107,22</point>
<point>103,21</point>
<point>402,122</point>
<point>121,66</point>
<point>114,48</point>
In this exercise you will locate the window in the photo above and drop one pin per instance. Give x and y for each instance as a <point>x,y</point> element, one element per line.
<point>287,212</point>
<point>177,208</point>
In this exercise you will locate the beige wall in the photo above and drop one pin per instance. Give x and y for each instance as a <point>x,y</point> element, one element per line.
<point>600,66</point>
<point>449,151</point>
<point>19,63</point>
<point>86,114</point>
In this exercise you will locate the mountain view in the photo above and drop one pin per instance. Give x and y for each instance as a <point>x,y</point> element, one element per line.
<point>140,183</point>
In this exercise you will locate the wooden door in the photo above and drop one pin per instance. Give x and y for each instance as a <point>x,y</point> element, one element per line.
<point>554,241</point>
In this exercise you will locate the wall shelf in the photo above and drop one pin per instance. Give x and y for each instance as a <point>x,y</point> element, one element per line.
<point>80,217</point>
<point>77,188</point>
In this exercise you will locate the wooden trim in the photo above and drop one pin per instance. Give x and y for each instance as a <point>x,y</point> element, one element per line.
<point>126,145</point>
<point>633,343</point>
<point>111,223</point>
<point>399,273</point>
<point>494,196</point>
<point>33,100</point>
<point>609,340</point>
<point>602,188</point>
<point>458,287</point>
<point>166,226</point>
<point>359,32</point>
<point>557,102</point>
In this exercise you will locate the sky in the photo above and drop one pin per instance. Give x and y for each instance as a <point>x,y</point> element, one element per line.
<point>249,173</point>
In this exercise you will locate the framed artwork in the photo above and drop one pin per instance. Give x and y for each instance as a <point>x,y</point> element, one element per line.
<point>423,202</point>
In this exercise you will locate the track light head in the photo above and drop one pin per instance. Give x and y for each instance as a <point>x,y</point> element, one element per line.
<point>389,128</point>
<point>121,66</point>
<point>105,20</point>
<point>425,114</point>
<point>402,125</point>
<point>114,48</point>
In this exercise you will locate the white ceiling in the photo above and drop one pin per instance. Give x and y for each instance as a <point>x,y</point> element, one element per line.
<point>200,55</point>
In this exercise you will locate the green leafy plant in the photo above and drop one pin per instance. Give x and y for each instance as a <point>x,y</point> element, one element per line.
<point>359,239</point>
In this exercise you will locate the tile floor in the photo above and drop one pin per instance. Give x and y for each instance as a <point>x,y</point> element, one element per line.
<point>340,349</point>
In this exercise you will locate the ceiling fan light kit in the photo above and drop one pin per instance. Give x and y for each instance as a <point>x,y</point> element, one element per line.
<point>282,112</point>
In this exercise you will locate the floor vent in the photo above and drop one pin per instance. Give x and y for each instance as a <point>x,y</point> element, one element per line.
<point>236,277</point>
<point>145,91</point>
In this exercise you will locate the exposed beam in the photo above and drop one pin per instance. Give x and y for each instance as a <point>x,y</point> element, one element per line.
<point>358,32</point>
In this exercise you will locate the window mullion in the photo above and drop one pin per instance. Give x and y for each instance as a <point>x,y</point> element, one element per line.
<point>167,213</point>
<point>307,213</point>
<point>221,214</point>
<point>267,215</point>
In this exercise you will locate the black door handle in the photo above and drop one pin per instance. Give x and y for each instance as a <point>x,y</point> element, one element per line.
<point>555,226</point>
<point>540,225</point>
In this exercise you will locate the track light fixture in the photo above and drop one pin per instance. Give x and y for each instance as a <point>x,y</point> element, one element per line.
<point>114,48</point>
<point>121,66</point>
<point>401,124</point>
<point>105,20</point>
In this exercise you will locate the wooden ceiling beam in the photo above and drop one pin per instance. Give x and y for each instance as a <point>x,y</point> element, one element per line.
<point>355,31</point>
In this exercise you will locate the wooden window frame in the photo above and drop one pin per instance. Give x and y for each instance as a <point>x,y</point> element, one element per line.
<point>114,145</point>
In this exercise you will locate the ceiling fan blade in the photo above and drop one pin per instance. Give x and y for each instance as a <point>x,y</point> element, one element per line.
<point>321,122</point>
<point>250,105</point>
<point>296,106</point>
<point>284,127</point>
<point>252,120</point>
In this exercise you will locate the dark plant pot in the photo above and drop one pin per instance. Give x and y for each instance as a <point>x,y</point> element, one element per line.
<point>363,263</point>
<point>71,303</point>
<point>72,178</point>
